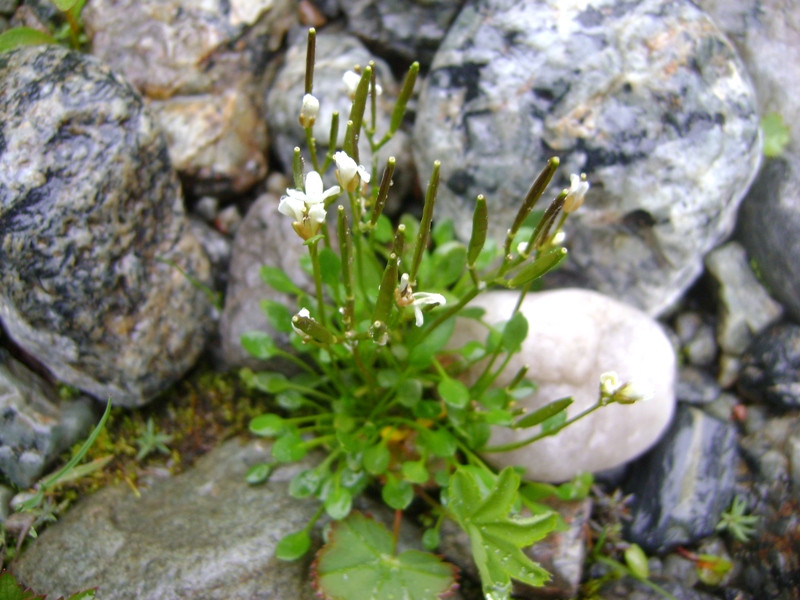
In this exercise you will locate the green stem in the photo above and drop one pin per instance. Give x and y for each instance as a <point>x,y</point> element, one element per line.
<point>319,441</point>
<point>312,148</point>
<point>616,565</point>
<point>449,312</point>
<point>543,434</point>
<point>312,250</point>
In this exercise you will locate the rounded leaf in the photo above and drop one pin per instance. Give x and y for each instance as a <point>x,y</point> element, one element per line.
<point>258,473</point>
<point>289,448</point>
<point>397,494</point>
<point>268,425</point>
<point>293,546</point>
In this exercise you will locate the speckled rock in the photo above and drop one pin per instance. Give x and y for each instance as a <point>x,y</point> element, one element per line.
<point>205,65</point>
<point>770,369</point>
<point>336,54</point>
<point>411,29</point>
<point>682,486</point>
<point>36,426</point>
<point>575,336</point>
<point>649,100</point>
<point>265,237</point>
<point>88,202</point>
<point>745,307</point>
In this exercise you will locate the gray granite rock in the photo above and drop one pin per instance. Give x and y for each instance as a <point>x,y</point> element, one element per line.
<point>682,486</point>
<point>217,247</point>
<point>745,307</point>
<point>36,426</point>
<point>769,228</point>
<point>695,386</point>
<point>411,29</point>
<point>336,54</point>
<point>88,202</point>
<point>205,66</point>
<point>771,366</point>
<point>7,7</point>
<point>574,336</point>
<point>265,237</point>
<point>648,99</point>
<point>204,534</point>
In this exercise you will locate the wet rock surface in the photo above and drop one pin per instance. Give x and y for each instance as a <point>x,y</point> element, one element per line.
<point>35,425</point>
<point>88,203</point>
<point>681,487</point>
<point>575,336</point>
<point>770,367</point>
<point>650,101</point>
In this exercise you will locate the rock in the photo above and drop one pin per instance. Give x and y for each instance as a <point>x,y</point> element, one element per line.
<point>574,337</point>
<point>217,247</point>
<point>695,386</point>
<point>768,226</point>
<point>6,493</point>
<point>265,237</point>
<point>649,100</point>
<point>410,29</point>
<point>771,448</point>
<point>205,66</point>
<point>745,307</point>
<point>88,203</point>
<point>682,486</point>
<point>36,426</point>
<point>336,54</point>
<point>770,366</point>
<point>628,588</point>
<point>7,7</point>
<point>205,533</point>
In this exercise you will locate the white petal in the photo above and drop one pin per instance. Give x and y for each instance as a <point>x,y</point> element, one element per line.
<point>362,171</point>
<point>317,213</point>
<point>418,316</point>
<point>426,298</point>
<point>291,207</point>
<point>313,188</point>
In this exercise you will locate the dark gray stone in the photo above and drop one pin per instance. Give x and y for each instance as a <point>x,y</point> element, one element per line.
<point>88,202</point>
<point>682,486</point>
<point>411,29</point>
<point>648,98</point>
<point>771,367</point>
<point>745,308</point>
<point>695,386</point>
<point>217,247</point>
<point>205,66</point>
<point>35,425</point>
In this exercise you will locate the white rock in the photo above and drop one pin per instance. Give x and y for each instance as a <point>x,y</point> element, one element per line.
<point>574,336</point>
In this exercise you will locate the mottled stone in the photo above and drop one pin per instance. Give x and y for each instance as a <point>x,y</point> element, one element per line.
<point>695,386</point>
<point>218,249</point>
<point>205,65</point>
<point>265,237</point>
<point>336,54</point>
<point>682,486</point>
<point>411,29</point>
<point>575,336</point>
<point>745,307</point>
<point>35,426</point>
<point>88,203</point>
<point>771,367</point>
<point>648,99</point>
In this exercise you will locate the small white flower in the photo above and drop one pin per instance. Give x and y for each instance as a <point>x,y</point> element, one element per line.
<point>609,383</point>
<point>559,238</point>
<point>292,207</point>
<point>636,390</point>
<point>578,186</point>
<point>349,174</point>
<point>309,111</point>
<point>303,313</point>
<point>351,80</point>
<point>522,247</point>
<point>307,209</point>
<point>314,193</point>
<point>425,299</point>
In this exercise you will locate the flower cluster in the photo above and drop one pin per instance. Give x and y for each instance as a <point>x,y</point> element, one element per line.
<point>634,390</point>
<point>307,208</point>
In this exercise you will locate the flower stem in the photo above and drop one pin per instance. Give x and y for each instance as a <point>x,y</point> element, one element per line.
<point>312,250</point>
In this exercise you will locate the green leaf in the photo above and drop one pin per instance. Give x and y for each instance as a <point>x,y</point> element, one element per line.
<point>415,471</point>
<point>443,231</point>
<point>495,398</point>
<point>305,483</point>
<point>384,233</point>
<point>577,489</point>
<point>289,448</point>
<point>523,389</point>
<point>409,392</point>
<point>453,392</point>
<point>268,425</point>
<point>397,494</point>
<point>555,422</point>
<point>279,281</point>
<point>431,539</point>
<point>546,262</point>
<point>536,490</point>
<point>330,267</point>
<point>498,417</point>
<point>514,333</point>
<point>358,563</point>
<point>495,538</point>
<point>540,415</point>
<point>290,400</point>
<point>776,134</point>
<point>439,442</point>
<point>271,383</point>
<point>636,560</point>
<point>427,409</point>
<point>376,459</point>
<point>472,312</point>
<point>449,263</point>
<point>258,473</point>
<point>338,503</point>
<point>421,355</point>
<point>64,5</point>
<point>293,546</point>
<point>23,36</point>
<point>11,590</point>
<point>85,595</point>
<point>711,569</point>
<point>278,315</point>
<point>259,344</point>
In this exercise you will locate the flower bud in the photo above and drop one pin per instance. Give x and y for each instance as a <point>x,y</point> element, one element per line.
<point>309,111</point>
<point>635,390</point>
<point>578,187</point>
